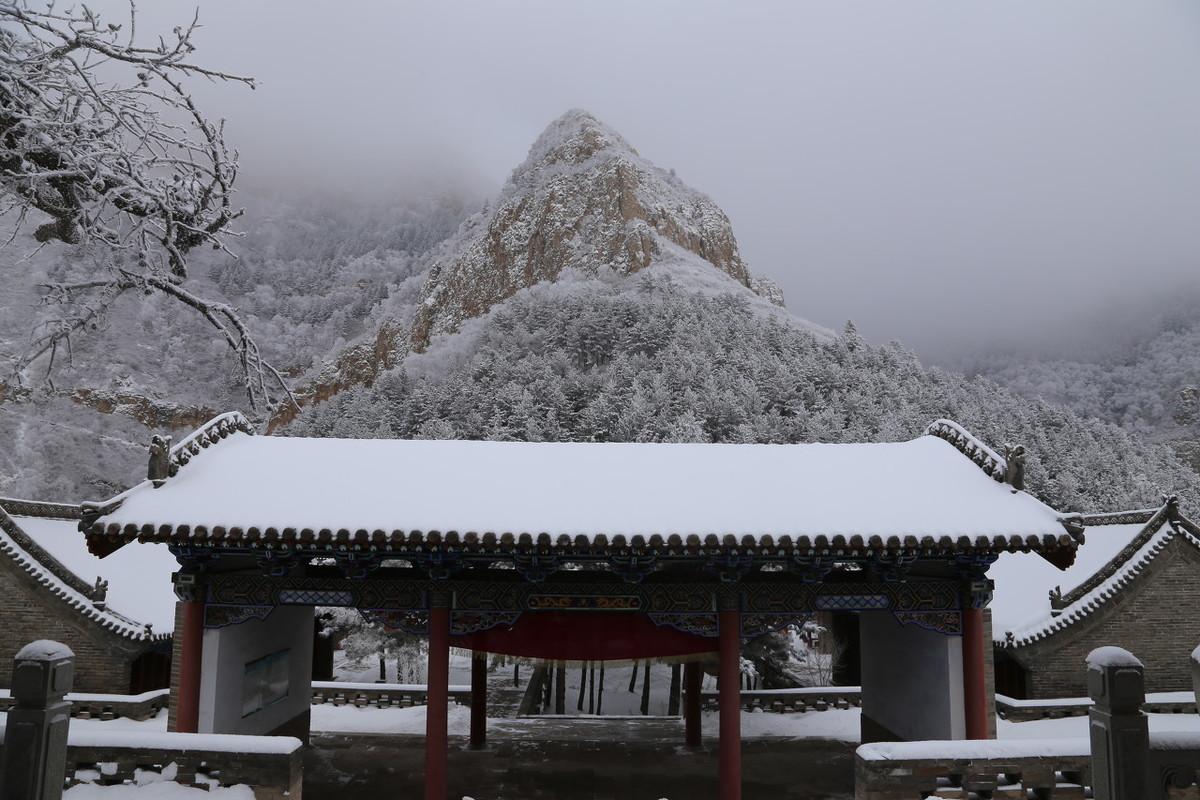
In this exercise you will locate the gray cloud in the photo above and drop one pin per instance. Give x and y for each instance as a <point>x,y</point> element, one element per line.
<point>949,173</point>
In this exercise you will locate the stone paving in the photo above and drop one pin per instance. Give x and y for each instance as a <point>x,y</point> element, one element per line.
<point>576,759</point>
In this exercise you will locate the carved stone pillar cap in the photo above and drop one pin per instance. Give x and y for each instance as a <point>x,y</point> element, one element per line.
<point>1115,679</point>
<point>42,673</point>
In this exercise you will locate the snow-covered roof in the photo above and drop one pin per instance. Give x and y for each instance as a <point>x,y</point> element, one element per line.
<point>54,552</point>
<point>236,486</point>
<point>1116,549</point>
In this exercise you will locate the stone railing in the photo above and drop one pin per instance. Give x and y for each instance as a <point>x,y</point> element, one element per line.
<point>1121,759</point>
<point>807,698</point>
<point>381,695</point>
<point>107,706</point>
<point>146,706</point>
<point>41,751</point>
<point>1034,768</point>
<point>271,766</point>
<point>1015,710</point>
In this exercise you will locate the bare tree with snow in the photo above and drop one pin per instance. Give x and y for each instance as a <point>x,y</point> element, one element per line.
<point>103,147</point>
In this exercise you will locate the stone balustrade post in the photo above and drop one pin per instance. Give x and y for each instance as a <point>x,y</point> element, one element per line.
<point>35,738</point>
<point>1120,734</point>
<point>1196,675</point>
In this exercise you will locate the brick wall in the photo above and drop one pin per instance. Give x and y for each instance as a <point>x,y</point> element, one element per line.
<point>28,611</point>
<point>1154,617</point>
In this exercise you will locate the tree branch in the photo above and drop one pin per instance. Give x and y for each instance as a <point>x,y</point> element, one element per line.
<point>109,163</point>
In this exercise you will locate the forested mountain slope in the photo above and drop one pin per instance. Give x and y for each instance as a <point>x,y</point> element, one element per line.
<point>1151,388</point>
<point>648,360</point>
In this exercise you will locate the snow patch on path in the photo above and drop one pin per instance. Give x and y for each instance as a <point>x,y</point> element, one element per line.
<point>156,791</point>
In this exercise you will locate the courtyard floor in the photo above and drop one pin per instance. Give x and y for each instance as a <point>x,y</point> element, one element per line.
<point>577,759</point>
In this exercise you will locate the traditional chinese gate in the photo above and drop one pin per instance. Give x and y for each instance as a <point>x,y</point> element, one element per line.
<point>247,588</point>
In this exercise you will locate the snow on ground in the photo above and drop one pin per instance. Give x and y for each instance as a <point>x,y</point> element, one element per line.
<point>414,672</point>
<point>156,791</point>
<point>1077,727</point>
<point>351,719</point>
<point>835,724</point>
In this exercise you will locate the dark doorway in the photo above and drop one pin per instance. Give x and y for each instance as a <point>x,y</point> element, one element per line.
<point>1012,679</point>
<point>151,670</point>
<point>847,666</point>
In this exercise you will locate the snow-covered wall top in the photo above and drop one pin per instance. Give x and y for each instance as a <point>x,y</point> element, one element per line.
<point>1105,566</point>
<point>1021,598</point>
<point>924,487</point>
<point>139,578</point>
<point>1033,600</point>
<point>139,602</point>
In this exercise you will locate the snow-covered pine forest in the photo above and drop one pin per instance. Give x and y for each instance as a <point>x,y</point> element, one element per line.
<point>1150,386</point>
<point>650,361</point>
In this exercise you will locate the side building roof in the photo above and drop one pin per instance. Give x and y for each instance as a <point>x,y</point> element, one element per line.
<point>943,492</point>
<point>43,540</point>
<point>1032,602</point>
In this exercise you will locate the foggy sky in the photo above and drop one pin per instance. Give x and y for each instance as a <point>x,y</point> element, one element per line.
<point>950,174</point>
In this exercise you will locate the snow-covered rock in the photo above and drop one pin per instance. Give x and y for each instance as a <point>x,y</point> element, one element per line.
<point>583,199</point>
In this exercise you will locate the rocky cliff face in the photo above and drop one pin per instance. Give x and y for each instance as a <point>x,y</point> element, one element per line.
<point>582,200</point>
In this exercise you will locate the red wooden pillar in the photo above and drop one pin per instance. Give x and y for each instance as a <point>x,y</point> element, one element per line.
<point>729,765</point>
<point>974,685</point>
<point>438,697</point>
<point>191,655</point>
<point>478,700</point>
<point>692,680</point>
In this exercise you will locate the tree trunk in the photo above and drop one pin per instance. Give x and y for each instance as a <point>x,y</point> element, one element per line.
<point>560,689</point>
<point>582,686</point>
<point>382,669</point>
<point>633,677</point>
<point>600,692</point>
<point>673,698</point>
<point>646,689</point>
<point>516,673</point>
<point>547,688</point>
<point>592,688</point>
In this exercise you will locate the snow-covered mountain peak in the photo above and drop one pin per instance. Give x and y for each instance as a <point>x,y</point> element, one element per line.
<point>582,200</point>
<point>572,140</point>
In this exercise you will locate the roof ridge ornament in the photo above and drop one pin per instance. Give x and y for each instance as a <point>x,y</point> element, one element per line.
<point>1171,506</point>
<point>1014,466</point>
<point>206,435</point>
<point>159,468</point>
<point>973,448</point>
